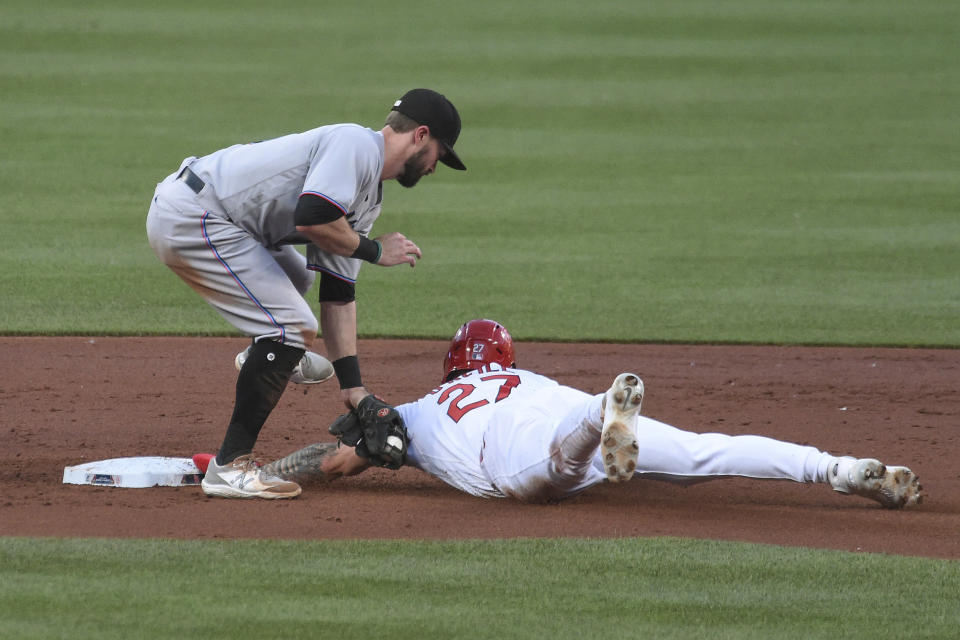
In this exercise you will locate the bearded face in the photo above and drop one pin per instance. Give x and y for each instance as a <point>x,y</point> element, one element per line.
<point>414,169</point>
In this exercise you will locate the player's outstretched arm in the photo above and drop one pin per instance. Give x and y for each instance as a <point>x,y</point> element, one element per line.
<point>338,321</point>
<point>317,463</point>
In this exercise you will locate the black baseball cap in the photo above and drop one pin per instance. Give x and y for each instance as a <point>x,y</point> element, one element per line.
<point>432,109</point>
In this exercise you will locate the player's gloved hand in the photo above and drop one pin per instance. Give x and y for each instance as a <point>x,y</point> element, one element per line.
<point>376,431</point>
<point>347,429</point>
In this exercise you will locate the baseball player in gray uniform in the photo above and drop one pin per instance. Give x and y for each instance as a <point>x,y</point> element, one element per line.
<point>495,431</point>
<point>227,223</point>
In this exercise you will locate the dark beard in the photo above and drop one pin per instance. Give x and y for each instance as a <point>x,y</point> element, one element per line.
<point>412,170</point>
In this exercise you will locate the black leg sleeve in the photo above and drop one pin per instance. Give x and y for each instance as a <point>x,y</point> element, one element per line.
<point>260,384</point>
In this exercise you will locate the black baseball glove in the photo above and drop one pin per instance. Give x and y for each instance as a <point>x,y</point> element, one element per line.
<point>377,432</point>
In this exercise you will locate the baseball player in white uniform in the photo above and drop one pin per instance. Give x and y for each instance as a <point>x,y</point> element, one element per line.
<point>495,431</point>
<point>227,223</point>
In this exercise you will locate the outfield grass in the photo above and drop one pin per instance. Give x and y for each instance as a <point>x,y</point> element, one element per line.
<point>641,171</point>
<point>658,588</point>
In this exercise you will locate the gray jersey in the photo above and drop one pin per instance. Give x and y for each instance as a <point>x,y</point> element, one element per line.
<point>259,184</point>
<point>229,238</point>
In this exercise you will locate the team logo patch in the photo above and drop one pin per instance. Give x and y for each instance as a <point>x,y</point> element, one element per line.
<point>382,413</point>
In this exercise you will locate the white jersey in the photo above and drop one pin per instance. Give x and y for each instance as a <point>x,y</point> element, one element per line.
<point>447,426</point>
<point>501,432</point>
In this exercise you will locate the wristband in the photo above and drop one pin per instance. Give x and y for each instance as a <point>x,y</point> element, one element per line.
<point>348,372</point>
<point>368,250</point>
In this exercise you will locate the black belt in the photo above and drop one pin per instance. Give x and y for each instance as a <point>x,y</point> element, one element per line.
<point>193,181</point>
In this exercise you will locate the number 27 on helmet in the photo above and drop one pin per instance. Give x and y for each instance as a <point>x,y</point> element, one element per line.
<point>476,343</point>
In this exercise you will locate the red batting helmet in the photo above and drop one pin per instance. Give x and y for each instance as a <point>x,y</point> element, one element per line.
<point>477,343</point>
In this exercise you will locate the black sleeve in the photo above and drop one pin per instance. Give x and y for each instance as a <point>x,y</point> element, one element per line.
<point>333,289</point>
<point>312,209</point>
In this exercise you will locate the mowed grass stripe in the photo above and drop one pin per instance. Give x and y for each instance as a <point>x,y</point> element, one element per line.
<point>697,172</point>
<point>532,588</point>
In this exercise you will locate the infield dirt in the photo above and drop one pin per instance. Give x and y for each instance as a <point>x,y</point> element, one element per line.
<point>65,401</point>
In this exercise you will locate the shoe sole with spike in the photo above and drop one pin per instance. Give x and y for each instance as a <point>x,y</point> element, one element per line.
<point>618,440</point>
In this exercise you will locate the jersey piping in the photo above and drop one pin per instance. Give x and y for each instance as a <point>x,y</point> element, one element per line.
<point>327,198</point>
<point>338,276</point>
<point>236,278</point>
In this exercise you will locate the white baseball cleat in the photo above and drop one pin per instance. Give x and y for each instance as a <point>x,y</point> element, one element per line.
<point>893,487</point>
<point>244,478</point>
<point>618,441</point>
<point>313,368</point>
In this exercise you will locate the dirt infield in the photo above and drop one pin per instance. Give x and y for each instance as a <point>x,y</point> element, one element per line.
<point>65,401</point>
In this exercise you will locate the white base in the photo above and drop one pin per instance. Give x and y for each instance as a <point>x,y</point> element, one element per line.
<point>135,473</point>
